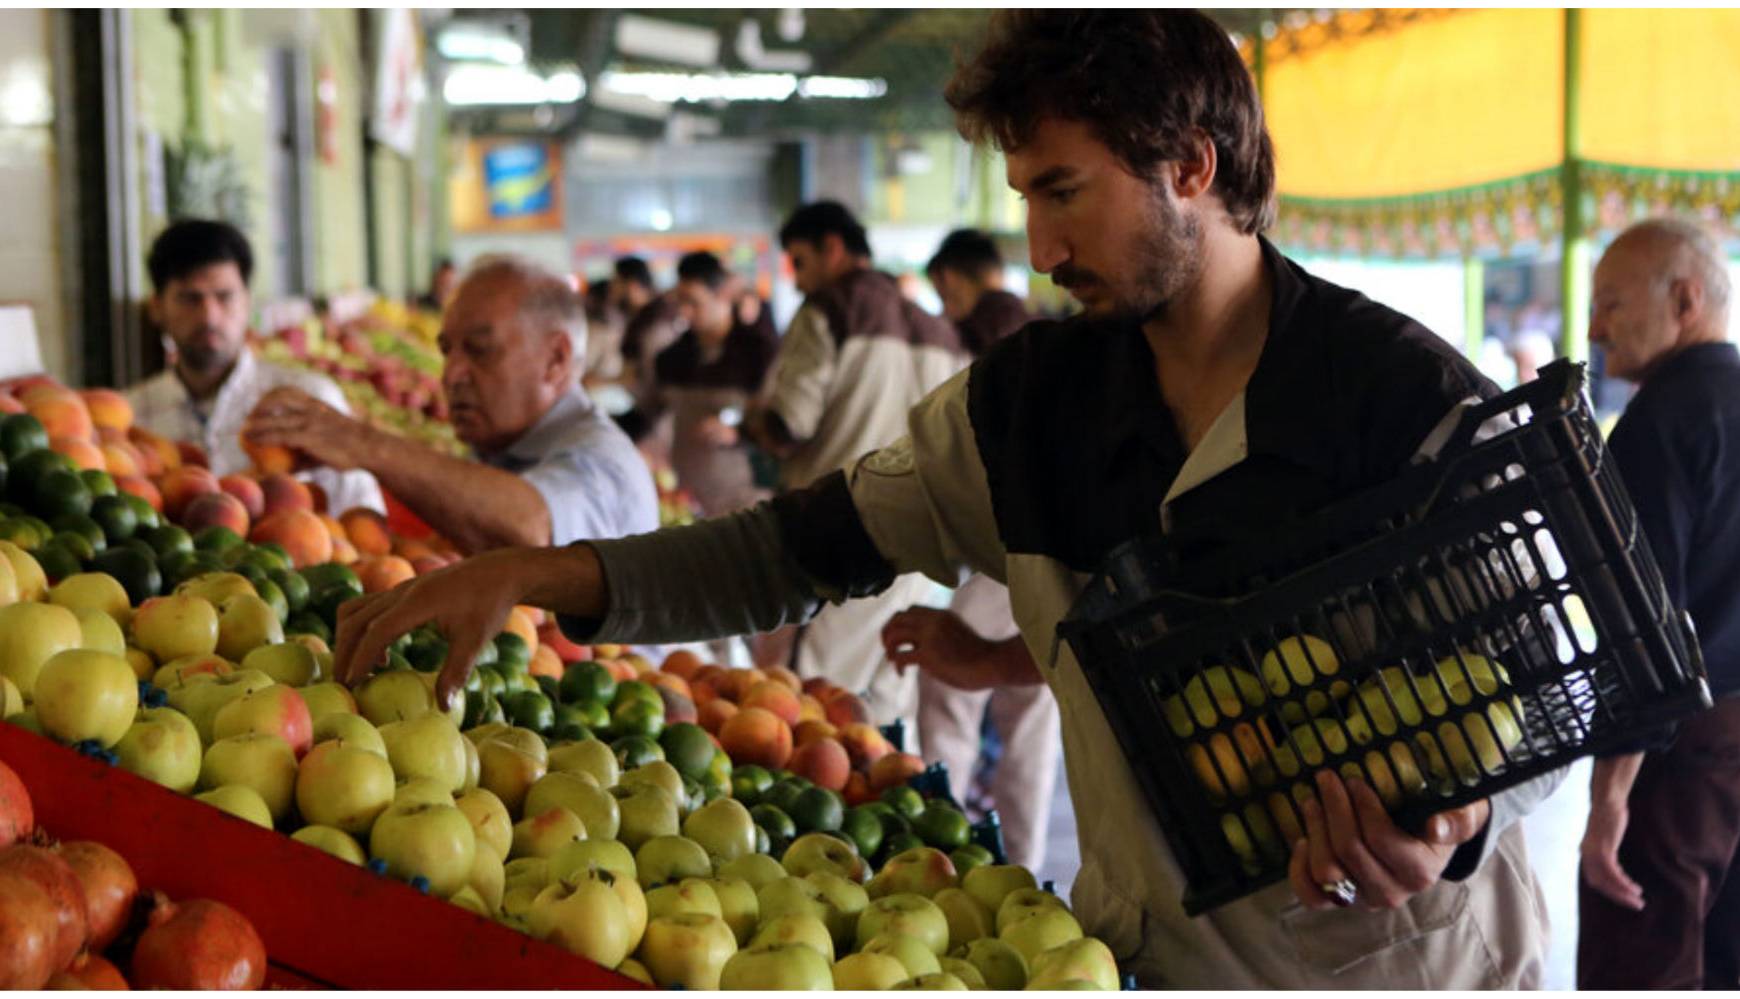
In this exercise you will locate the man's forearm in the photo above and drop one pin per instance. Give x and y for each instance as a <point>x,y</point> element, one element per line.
<point>471,504</point>
<point>1014,665</point>
<point>1611,779</point>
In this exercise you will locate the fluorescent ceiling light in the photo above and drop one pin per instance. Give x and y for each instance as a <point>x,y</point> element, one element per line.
<point>478,44</point>
<point>699,88</point>
<point>755,56</point>
<point>842,87</point>
<point>668,41</point>
<point>480,84</point>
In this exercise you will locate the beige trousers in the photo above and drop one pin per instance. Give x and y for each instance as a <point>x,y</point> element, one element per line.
<point>843,644</point>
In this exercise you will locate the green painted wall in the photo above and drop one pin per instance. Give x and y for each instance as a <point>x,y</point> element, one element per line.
<point>340,231</point>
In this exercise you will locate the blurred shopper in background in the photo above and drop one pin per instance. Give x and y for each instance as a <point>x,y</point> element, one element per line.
<point>441,285</point>
<point>856,357</point>
<point>199,273</point>
<point>605,325</point>
<point>1659,896</point>
<point>551,467</point>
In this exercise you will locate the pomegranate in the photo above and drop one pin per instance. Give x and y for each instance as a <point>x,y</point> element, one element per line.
<point>16,817</point>
<point>109,888</point>
<point>27,933</point>
<point>61,885</point>
<point>88,971</point>
<point>198,944</point>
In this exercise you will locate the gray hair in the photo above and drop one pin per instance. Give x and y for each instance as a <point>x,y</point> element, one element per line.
<point>1688,250</point>
<point>549,301</point>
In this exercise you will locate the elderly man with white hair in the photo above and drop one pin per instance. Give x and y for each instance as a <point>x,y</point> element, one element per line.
<point>1659,896</point>
<point>551,469</point>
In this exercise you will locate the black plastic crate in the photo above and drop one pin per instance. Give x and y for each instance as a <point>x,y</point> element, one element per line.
<point>1479,620</point>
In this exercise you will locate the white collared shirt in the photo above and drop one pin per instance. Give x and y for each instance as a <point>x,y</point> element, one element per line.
<point>162,405</point>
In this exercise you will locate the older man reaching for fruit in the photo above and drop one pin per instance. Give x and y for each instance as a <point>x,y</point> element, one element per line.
<point>552,468</point>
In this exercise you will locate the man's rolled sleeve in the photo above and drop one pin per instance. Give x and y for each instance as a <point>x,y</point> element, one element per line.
<point>587,497</point>
<point>803,373</point>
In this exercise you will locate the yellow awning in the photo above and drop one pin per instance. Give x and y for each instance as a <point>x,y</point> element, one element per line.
<point>1658,88</point>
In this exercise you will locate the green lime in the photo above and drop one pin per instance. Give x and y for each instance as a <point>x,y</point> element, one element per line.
<point>719,771</point>
<point>305,623</point>
<point>487,656</point>
<point>475,705</point>
<point>274,597</point>
<point>20,434</point>
<point>80,524</point>
<point>689,748</point>
<point>493,714</point>
<point>636,717</point>
<point>428,650</point>
<point>818,809</point>
<point>136,573</point>
<point>24,471</point>
<point>588,681</point>
<point>331,574</point>
<point>778,824</point>
<point>521,681</point>
<point>905,800</point>
<point>279,554</point>
<point>782,794</point>
<point>636,750</point>
<point>271,558</point>
<point>569,732</point>
<point>512,650</point>
<point>177,567</point>
<point>696,794</point>
<point>594,714</point>
<point>139,546</point>
<point>169,538</point>
<point>900,843</point>
<point>74,542</point>
<point>9,510</point>
<point>970,856</point>
<point>99,482</point>
<point>144,514</point>
<point>492,682</point>
<point>294,586</point>
<point>22,533</point>
<point>943,827</point>
<point>630,690</point>
<point>115,516</point>
<point>749,783</point>
<point>763,842</point>
<point>864,827</point>
<point>58,493</point>
<point>216,538</point>
<point>326,602</point>
<point>252,573</point>
<point>529,709</point>
<point>551,688</point>
<point>57,562</point>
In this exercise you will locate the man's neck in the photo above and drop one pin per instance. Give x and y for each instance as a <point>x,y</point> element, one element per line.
<point>204,385</point>
<point>1223,319</point>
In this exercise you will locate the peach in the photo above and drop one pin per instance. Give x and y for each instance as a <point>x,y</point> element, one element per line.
<point>619,669</point>
<point>218,509</point>
<point>675,684</point>
<point>247,490</point>
<point>520,623</point>
<point>775,697</point>
<point>824,762</point>
<point>122,458</point>
<point>283,492</point>
<point>758,736</point>
<point>683,663</point>
<point>865,744</point>
<point>335,530</point>
<point>816,686</point>
<point>142,488</point>
<point>844,708</point>
<point>545,662</point>
<point>715,713</point>
<point>857,790</point>
<point>10,406</point>
<point>108,408</point>
<point>343,552</point>
<point>806,732</point>
<point>678,708</point>
<point>192,454</point>
<point>551,634</point>
<point>810,709</point>
<point>83,453</point>
<point>367,530</point>
<point>779,674</point>
<point>300,532</point>
<point>736,683</point>
<point>181,486</point>
<point>269,459</point>
<point>61,413</point>
<point>894,769</point>
<point>161,454</point>
<point>383,572</point>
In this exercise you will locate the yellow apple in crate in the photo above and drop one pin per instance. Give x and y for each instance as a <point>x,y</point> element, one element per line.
<point>262,763</point>
<point>798,928</point>
<point>343,787</point>
<point>905,914</point>
<point>83,695</point>
<point>434,841</point>
<point>777,967</point>
<point>162,746</point>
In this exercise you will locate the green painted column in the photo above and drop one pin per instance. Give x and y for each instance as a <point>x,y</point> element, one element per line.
<point>200,63</point>
<point>1574,242</point>
<point>1473,306</point>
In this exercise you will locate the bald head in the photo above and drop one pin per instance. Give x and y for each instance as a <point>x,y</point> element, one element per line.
<point>1661,286</point>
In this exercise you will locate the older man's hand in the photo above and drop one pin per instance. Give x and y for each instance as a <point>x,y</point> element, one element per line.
<point>296,420</point>
<point>1348,835</point>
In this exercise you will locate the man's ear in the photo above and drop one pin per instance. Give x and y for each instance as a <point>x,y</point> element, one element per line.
<point>561,355</point>
<point>1194,174</point>
<point>1687,297</point>
<point>154,309</point>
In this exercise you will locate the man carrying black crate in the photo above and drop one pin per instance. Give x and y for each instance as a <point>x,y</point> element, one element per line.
<point>1210,377</point>
<point>1659,896</point>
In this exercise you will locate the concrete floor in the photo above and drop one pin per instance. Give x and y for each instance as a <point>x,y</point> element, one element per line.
<point>1554,831</point>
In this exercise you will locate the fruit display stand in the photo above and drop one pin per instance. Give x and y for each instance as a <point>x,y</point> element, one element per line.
<point>325,923</point>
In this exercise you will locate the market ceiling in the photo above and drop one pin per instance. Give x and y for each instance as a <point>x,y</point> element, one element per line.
<point>910,52</point>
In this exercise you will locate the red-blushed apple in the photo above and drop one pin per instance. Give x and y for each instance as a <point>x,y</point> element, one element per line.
<point>595,808</point>
<point>429,746</point>
<point>201,702</point>
<point>243,802</point>
<point>336,842</point>
<point>543,834</point>
<point>1002,966</point>
<point>84,695</point>
<point>795,927</point>
<point>737,906</point>
<point>723,828</point>
<point>821,852</point>
<point>968,917</point>
<point>162,746</point>
<point>187,669</point>
<point>1083,959</point>
<point>915,954</point>
<point>488,879</point>
<point>647,811</point>
<point>289,663</point>
<point>846,900</point>
<point>434,841</point>
<point>96,591</point>
<point>343,787</point>
<point>172,627</point>
<point>663,859</point>
<point>868,973</point>
<point>102,634</point>
<point>245,623</point>
<point>263,763</point>
<point>922,870</point>
<point>1024,902</point>
<point>687,950</point>
<point>276,710</point>
<point>905,914</point>
<point>687,895</point>
<point>352,730</point>
<point>508,772</point>
<point>963,970</point>
<point>992,883</point>
<point>1040,931</point>
<point>576,859</point>
<point>490,823</point>
<point>588,756</point>
<point>30,634</point>
<point>777,966</point>
<point>327,699</point>
<point>585,918</point>
<point>758,869</point>
<point>394,695</point>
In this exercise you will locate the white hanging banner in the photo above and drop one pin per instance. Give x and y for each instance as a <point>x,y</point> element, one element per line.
<point>20,352</point>
<point>399,87</point>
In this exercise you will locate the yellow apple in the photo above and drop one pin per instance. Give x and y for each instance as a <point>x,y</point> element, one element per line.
<point>489,821</point>
<point>260,762</point>
<point>427,746</point>
<point>243,802</point>
<point>588,756</point>
<point>174,627</point>
<point>915,955</point>
<point>921,870</point>
<point>847,900</point>
<point>343,787</point>
<point>647,811</point>
<point>577,793</point>
<point>84,695</point>
<point>687,895</point>
<point>245,622</point>
<point>576,859</point>
<point>723,828</point>
<point>687,950</point>
<point>737,906</point>
<point>332,841</point>
<point>585,918</point>
<point>868,973</point>
<point>777,966</point>
<point>670,858</point>
<point>991,883</point>
<point>543,834</point>
<point>821,852</point>
<point>434,841</point>
<point>394,695</point>
<point>27,573</point>
<point>352,730</point>
<point>162,746</point>
<point>758,869</point>
<point>964,970</point>
<point>942,981</point>
<point>508,772</point>
<point>1002,966</point>
<point>795,928</point>
<point>1034,934</point>
<point>968,918</point>
<point>96,591</point>
<point>288,663</point>
<point>1084,959</point>
<point>31,634</point>
<point>907,914</point>
<point>327,699</point>
<point>101,634</point>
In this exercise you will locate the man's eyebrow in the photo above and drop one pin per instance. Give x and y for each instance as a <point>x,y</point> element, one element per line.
<point>1051,177</point>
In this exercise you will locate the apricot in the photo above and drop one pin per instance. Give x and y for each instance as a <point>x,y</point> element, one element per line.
<point>247,490</point>
<point>758,736</point>
<point>183,485</point>
<point>367,530</point>
<point>824,762</point>
<point>300,532</point>
<point>108,409</point>
<point>284,492</point>
<point>894,769</point>
<point>715,713</point>
<point>383,572</point>
<point>83,453</point>
<point>218,509</point>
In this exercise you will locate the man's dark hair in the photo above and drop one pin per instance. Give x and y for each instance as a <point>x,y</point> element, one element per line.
<point>966,251</point>
<point>816,221</point>
<point>194,244</point>
<point>634,271</point>
<point>1143,82</point>
<point>703,267</point>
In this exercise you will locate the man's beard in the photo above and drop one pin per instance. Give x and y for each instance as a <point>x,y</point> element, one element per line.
<point>196,356</point>
<point>1166,260</point>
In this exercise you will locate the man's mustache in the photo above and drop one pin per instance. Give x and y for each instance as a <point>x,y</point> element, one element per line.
<point>1071,278</point>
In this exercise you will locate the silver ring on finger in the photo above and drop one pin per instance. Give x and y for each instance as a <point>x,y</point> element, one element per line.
<point>1343,893</point>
